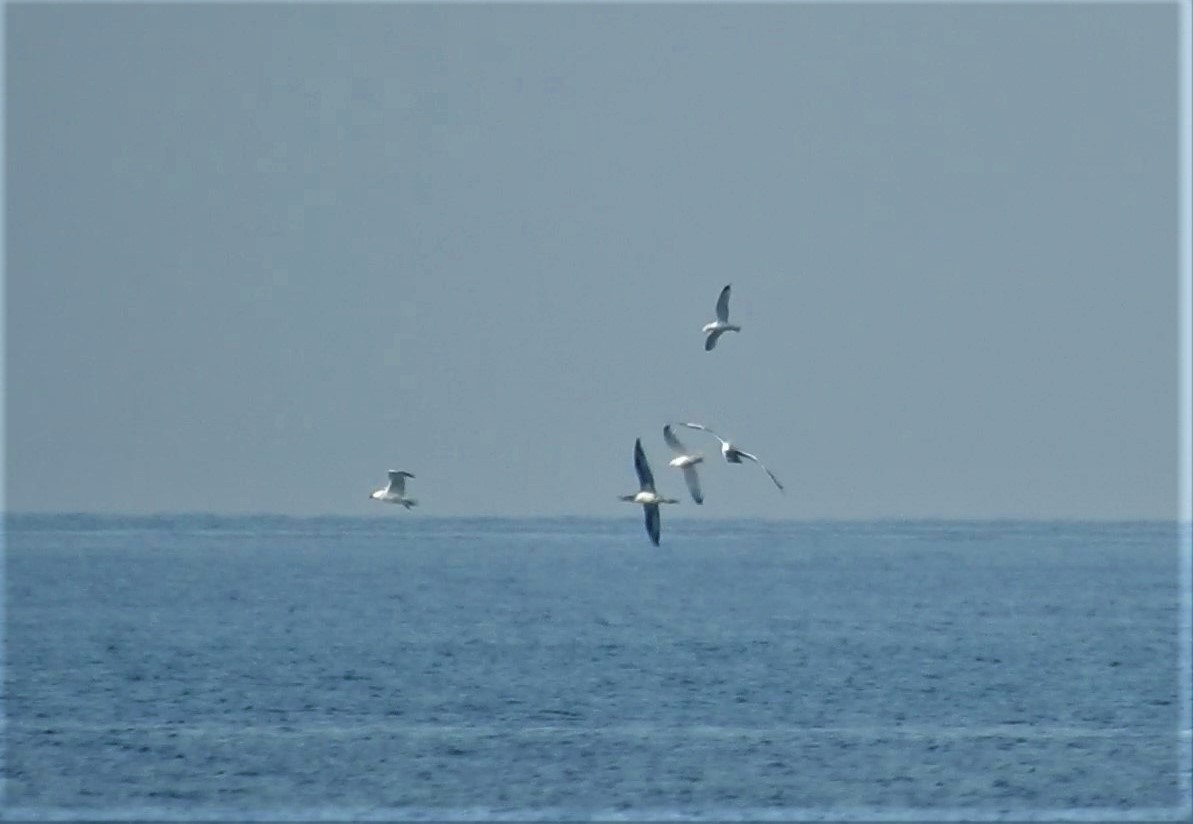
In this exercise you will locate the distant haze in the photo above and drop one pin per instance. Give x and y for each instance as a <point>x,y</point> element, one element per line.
<point>258,254</point>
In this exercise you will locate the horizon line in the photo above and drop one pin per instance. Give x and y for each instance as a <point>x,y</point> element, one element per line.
<point>426,516</point>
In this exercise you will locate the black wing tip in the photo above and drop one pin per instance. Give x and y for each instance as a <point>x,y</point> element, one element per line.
<point>642,466</point>
<point>653,529</point>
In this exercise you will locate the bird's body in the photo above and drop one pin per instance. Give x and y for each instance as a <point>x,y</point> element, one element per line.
<point>721,325</point>
<point>649,498</point>
<point>646,494</point>
<point>686,462</point>
<point>395,493</point>
<point>733,454</point>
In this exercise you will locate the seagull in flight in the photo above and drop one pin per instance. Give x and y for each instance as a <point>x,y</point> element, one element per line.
<point>732,453</point>
<point>395,493</point>
<point>646,494</point>
<point>686,461</point>
<point>721,324</point>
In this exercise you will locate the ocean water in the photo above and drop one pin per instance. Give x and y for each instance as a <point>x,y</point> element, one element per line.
<point>268,668</point>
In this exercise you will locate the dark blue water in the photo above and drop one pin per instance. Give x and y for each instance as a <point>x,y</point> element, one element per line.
<point>401,668</point>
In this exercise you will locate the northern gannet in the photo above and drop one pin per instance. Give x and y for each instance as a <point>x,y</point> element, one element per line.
<point>721,324</point>
<point>395,493</point>
<point>685,461</point>
<point>732,453</point>
<point>646,494</point>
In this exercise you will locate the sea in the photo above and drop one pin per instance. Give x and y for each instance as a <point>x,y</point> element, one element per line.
<point>268,668</point>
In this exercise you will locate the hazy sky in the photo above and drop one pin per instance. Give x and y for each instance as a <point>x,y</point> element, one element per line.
<point>257,254</point>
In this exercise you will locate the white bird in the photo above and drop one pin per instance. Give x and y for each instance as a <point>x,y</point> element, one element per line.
<point>395,493</point>
<point>685,461</point>
<point>721,324</point>
<point>646,494</point>
<point>732,453</point>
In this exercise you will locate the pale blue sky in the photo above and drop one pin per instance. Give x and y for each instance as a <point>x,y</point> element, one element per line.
<point>259,253</point>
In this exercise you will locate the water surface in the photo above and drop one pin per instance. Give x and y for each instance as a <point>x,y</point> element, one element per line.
<point>407,667</point>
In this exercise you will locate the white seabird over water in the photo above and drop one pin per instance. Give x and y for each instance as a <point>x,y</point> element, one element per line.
<point>732,453</point>
<point>721,324</point>
<point>395,493</point>
<point>685,461</point>
<point>646,494</point>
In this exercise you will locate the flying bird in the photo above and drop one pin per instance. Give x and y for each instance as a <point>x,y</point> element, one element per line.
<point>732,453</point>
<point>646,494</point>
<point>721,324</point>
<point>686,461</point>
<point>395,493</point>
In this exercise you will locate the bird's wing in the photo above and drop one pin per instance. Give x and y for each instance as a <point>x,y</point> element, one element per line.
<point>397,481</point>
<point>693,481</point>
<point>711,340</point>
<point>723,305</point>
<point>652,522</point>
<point>772,476</point>
<point>704,428</point>
<point>673,442</point>
<point>754,458</point>
<point>645,478</point>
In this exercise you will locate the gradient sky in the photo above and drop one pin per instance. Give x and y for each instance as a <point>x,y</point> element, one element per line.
<point>257,254</point>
